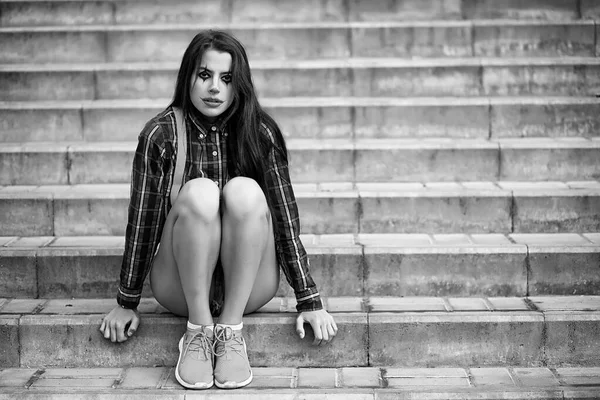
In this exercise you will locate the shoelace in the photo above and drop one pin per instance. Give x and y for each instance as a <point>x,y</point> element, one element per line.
<point>222,343</point>
<point>199,344</point>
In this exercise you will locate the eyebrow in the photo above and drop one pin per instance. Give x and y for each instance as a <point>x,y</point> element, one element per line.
<point>211,71</point>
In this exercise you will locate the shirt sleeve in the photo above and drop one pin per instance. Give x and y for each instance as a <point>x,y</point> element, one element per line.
<point>284,210</point>
<point>146,217</point>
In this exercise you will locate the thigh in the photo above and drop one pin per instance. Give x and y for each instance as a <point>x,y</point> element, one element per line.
<point>164,276</point>
<point>267,278</point>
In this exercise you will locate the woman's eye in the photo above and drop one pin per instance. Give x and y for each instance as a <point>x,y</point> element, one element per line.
<point>204,75</point>
<point>226,79</point>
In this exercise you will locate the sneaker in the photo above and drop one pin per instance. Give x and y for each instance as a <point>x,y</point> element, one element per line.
<point>195,365</point>
<point>232,368</point>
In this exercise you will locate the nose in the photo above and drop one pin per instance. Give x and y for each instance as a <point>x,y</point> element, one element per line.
<point>214,87</point>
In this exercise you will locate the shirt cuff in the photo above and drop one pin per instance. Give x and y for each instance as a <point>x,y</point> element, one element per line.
<point>308,301</point>
<point>128,301</point>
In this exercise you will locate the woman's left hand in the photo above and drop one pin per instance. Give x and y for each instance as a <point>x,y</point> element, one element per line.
<point>322,324</point>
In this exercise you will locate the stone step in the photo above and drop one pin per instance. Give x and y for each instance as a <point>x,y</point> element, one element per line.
<point>342,265</point>
<point>367,77</point>
<point>131,43</point>
<point>353,383</point>
<point>332,160</point>
<point>376,332</point>
<point>433,207</point>
<point>321,118</point>
<point>36,13</point>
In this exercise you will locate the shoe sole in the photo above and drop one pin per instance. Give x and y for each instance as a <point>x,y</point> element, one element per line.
<point>235,385</point>
<point>184,383</point>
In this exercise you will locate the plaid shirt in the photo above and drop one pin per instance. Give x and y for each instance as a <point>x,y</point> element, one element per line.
<point>152,179</point>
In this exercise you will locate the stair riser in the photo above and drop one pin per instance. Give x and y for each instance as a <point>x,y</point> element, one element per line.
<point>387,214</point>
<point>386,340</point>
<point>453,271</point>
<point>335,122</point>
<point>435,41</point>
<point>483,163</point>
<point>222,11</point>
<point>570,80</point>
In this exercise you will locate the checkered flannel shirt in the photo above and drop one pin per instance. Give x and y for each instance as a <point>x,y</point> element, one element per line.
<point>152,179</point>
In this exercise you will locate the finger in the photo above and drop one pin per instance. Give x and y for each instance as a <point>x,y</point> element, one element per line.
<point>133,327</point>
<point>113,332</point>
<point>300,326</point>
<point>325,334</point>
<point>121,333</point>
<point>107,331</point>
<point>318,335</point>
<point>102,325</point>
<point>331,331</point>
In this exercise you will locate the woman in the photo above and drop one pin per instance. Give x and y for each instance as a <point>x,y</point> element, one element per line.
<point>235,216</point>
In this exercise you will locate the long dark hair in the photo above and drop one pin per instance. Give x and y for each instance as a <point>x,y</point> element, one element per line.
<point>249,148</point>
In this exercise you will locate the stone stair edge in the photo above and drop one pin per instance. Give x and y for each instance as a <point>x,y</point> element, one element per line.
<point>585,307</point>
<point>310,102</point>
<point>325,242</point>
<point>351,383</point>
<point>238,26</point>
<point>331,189</point>
<point>333,144</point>
<point>338,63</point>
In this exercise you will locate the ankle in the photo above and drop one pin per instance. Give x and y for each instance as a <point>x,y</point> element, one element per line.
<point>233,327</point>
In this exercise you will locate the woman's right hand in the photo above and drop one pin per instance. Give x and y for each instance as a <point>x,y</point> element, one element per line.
<point>117,322</point>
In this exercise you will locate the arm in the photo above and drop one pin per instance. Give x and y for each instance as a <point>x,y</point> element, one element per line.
<point>295,260</point>
<point>145,221</point>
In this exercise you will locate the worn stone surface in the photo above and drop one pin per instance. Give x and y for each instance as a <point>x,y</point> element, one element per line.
<point>180,11</point>
<point>535,377</point>
<point>15,377</point>
<point>515,9</point>
<point>9,342</point>
<point>41,124</point>
<point>407,10</point>
<point>52,47</point>
<point>546,40</point>
<point>545,120</point>
<point>55,13</point>
<point>556,164</point>
<point>116,123</point>
<point>89,274</point>
<point>410,164</point>
<point>468,339</point>
<point>62,341</point>
<point>572,338</point>
<point>90,216</point>
<point>361,377</point>
<point>341,210</point>
<point>490,377</point>
<point>559,80</point>
<point>26,165</point>
<point>18,276</point>
<point>317,378</point>
<point>287,10</point>
<point>425,81</point>
<point>564,272</point>
<point>391,273</point>
<point>42,85</point>
<point>461,120</point>
<point>552,213</point>
<point>412,41</point>
<point>338,274</point>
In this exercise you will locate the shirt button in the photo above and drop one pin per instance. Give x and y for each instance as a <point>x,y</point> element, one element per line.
<point>214,153</point>
<point>201,136</point>
<point>217,183</point>
<point>225,134</point>
<point>214,128</point>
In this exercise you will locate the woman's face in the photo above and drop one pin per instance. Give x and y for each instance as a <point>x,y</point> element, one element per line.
<point>211,89</point>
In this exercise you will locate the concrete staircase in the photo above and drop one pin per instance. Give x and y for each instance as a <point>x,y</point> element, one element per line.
<point>446,160</point>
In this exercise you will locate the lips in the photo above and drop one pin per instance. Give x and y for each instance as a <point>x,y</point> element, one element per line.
<point>212,101</point>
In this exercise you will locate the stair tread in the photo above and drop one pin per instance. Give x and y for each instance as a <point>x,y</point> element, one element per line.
<point>357,63</point>
<point>293,25</point>
<point>335,144</point>
<point>332,242</point>
<point>364,383</point>
<point>449,308</point>
<point>300,101</point>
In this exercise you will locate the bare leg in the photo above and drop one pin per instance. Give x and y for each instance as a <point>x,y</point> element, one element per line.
<point>189,249</point>
<point>247,250</point>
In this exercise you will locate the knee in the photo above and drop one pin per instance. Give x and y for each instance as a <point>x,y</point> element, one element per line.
<point>199,199</point>
<point>242,197</point>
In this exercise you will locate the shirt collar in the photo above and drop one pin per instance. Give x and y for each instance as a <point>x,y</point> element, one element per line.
<point>203,124</point>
